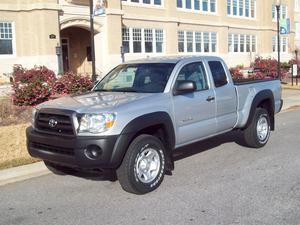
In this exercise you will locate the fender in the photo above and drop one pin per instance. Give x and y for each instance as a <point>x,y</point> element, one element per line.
<point>136,127</point>
<point>265,95</point>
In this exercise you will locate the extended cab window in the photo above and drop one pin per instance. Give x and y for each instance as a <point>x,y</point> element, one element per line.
<point>194,72</point>
<point>218,73</point>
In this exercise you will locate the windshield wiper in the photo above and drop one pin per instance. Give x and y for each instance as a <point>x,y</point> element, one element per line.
<point>124,90</point>
<point>102,90</point>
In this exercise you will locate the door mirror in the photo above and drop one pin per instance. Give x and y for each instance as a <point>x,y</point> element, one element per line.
<point>184,86</point>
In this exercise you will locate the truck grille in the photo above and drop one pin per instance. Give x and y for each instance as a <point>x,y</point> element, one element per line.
<point>54,123</point>
<point>50,148</point>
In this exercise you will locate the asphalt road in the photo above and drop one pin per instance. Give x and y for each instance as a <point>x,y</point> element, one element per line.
<point>214,182</point>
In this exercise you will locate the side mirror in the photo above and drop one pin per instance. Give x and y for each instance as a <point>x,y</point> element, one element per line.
<point>184,86</point>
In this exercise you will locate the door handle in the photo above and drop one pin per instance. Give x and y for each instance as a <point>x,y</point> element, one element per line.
<point>210,98</point>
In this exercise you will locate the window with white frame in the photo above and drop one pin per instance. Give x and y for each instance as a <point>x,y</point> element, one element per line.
<point>193,42</point>
<point>198,5</point>
<point>297,30</point>
<point>126,39</point>
<point>137,40</point>
<point>148,40</point>
<point>190,41</point>
<point>241,43</point>
<point>159,38</point>
<point>283,44</point>
<point>253,43</point>
<point>241,8</point>
<point>142,40</point>
<point>282,11</point>
<point>297,5</point>
<point>6,38</point>
<point>146,2</point>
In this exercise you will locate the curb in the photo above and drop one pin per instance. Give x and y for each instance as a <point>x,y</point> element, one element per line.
<point>21,173</point>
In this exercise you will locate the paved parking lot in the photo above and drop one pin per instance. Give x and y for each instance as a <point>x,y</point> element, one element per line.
<point>215,182</point>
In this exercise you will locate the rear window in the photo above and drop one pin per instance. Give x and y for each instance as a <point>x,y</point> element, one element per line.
<point>218,73</point>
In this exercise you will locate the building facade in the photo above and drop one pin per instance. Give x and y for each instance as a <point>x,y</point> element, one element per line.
<point>56,33</point>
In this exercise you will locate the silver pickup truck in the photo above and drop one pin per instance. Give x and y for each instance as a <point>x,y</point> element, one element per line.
<point>140,112</point>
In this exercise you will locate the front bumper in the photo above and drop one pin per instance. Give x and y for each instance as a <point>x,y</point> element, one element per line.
<point>70,151</point>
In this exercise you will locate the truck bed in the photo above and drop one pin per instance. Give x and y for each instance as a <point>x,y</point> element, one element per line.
<point>246,91</point>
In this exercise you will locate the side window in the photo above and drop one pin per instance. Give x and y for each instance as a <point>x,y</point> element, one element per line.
<point>218,73</point>
<point>194,72</point>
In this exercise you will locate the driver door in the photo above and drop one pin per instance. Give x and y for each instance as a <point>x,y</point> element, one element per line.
<point>194,112</point>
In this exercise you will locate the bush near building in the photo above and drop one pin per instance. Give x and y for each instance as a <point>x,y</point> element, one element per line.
<point>71,83</point>
<point>261,69</point>
<point>39,84</point>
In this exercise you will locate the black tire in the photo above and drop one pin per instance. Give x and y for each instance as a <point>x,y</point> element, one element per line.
<point>57,169</point>
<point>131,174</point>
<point>252,135</point>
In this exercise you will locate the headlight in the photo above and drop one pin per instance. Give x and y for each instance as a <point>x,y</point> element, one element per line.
<point>96,123</point>
<point>34,113</point>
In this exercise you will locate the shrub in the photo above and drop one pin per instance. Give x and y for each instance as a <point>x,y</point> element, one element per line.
<point>31,87</point>
<point>71,83</point>
<point>268,67</point>
<point>236,73</point>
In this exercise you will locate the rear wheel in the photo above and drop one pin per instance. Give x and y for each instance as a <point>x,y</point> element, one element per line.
<point>143,166</point>
<point>257,134</point>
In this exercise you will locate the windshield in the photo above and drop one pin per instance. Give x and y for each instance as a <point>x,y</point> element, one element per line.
<point>142,78</point>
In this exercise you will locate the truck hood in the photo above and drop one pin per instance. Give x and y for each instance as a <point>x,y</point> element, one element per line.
<point>94,101</point>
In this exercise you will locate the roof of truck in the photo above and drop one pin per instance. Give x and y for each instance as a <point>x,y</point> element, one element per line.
<point>171,59</point>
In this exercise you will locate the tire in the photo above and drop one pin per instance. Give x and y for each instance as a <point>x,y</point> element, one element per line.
<point>257,134</point>
<point>135,174</point>
<point>57,169</point>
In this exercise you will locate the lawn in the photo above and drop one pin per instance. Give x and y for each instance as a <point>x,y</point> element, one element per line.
<point>13,123</point>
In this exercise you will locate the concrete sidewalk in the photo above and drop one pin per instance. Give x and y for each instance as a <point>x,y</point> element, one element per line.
<point>291,99</point>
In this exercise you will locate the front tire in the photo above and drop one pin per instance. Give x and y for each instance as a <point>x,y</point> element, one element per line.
<point>143,166</point>
<point>257,134</point>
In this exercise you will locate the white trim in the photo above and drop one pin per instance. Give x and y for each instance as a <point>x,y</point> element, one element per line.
<point>143,41</point>
<point>202,42</point>
<point>141,4</point>
<point>231,35</point>
<point>244,10</point>
<point>281,45</point>
<point>14,48</point>
<point>296,5</point>
<point>280,16</point>
<point>200,11</point>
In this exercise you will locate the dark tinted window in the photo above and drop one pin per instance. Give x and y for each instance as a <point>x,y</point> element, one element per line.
<point>218,73</point>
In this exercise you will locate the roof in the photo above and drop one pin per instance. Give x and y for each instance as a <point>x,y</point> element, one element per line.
<point>170,59</point>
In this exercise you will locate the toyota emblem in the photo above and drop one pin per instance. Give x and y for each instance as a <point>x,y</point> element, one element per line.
<point>52,123</point>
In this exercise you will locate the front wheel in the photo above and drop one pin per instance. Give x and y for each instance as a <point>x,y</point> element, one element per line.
<point>257,134</point>
<point>143,166</point>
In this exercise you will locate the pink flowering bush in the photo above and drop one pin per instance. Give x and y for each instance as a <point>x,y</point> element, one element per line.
<point>236,73</point>
<point>31,87</point>
<point>71,83</point>
<point>34,86</point>
<point>268,67</point>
